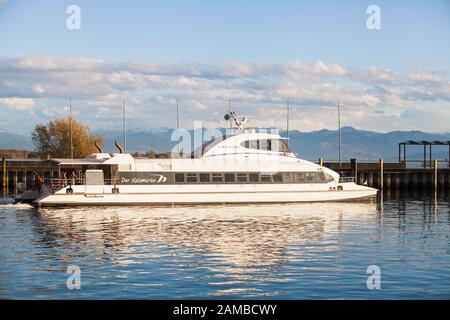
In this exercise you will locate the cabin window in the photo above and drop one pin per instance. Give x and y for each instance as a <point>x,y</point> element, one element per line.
<point>310,177</point>
<point>242,177</point>
<point>281,177</point>
<point>267,144</point>
<point>204,177</point>
<point>288,177</point>
<point>328,177</point>
<point>191,177</point>
<point>320,177</point>
<point>229,177</point>
<point>263,144</point>
<point>300,177</point>
<point>278,177</point>
<point>253,177</point>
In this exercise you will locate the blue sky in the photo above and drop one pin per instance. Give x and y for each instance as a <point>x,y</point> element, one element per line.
<point>413,32</point>
<point>184,39</point>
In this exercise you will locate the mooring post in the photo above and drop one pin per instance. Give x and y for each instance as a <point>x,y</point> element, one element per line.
<point>16,181</point>
<point>4,177</point>
<point>415,180</point>
<point>354,168</point>
<point>321,162</point>
<point>381,174</point>
<point>4,174</point>
<point>388,180</point>
<point>435,162</point>
<point>441,178</point>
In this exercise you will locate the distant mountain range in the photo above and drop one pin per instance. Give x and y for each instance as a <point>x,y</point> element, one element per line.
<point>15,141</point>
<point>356,143</point>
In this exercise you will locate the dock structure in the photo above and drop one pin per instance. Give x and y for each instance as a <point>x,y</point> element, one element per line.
<point>427,158</point>
<point>392,175</point>
<point>15,172</point>
<point>377,174</point>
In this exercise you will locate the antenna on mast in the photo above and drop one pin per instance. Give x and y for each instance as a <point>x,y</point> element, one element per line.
<point>178,128</point>
<point>228,111</point>
<point>71,131</point>
<point>339,132</point>
<point>124,126</point>
<point>231,115</point>
<point>287,122</point>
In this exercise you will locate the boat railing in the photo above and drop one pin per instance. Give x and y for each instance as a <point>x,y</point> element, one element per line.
<point>111,182</point>
<point>56,184</point>
<point>346,179</point>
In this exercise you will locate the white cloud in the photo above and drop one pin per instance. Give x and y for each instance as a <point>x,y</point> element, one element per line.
<point>151,89</point>
<point>17,103</point>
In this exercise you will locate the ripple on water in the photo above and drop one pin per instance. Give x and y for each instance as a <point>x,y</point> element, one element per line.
<point>255,251</point>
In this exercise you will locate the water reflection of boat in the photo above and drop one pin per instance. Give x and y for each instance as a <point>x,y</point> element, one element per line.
<point>242,236</point>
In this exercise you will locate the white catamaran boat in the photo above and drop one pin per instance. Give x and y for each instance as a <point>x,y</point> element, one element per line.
<point>244,167</point>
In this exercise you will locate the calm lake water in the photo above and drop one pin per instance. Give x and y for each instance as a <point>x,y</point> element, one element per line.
<point>301,251</point>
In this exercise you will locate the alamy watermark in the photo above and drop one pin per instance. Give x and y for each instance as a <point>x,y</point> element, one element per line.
<point>74,280</point>
<point>73,21</point>
<point>373,21</point>
<point>373,282</point>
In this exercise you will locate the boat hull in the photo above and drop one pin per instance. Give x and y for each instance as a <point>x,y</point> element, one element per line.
<point>211,195</point>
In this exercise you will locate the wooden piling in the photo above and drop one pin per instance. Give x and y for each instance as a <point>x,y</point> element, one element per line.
<point>441,178</point>
<point>16,182</point>
<point>388,180</point>
<point>415,181</point>
<point>354,168</point>
<point>381,174</point>
<point>4,178</point>
<point>435,176</point>
<point>370,180</point>
<point>4,181</point>
<point>405,178</point>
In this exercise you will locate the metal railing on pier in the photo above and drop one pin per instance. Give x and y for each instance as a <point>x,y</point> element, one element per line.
<point>346,179</point>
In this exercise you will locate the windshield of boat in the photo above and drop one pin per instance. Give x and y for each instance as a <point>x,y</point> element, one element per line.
<point>207,146</point>
<point>267,144</point>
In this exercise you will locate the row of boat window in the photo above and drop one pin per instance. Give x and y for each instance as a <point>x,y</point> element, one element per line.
<point>287,177</point>
<point>269,145</point>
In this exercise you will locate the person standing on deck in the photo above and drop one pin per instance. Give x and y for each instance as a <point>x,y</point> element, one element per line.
<point>74,177</point>
<point>39,183</point>
<point>64,178</point>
